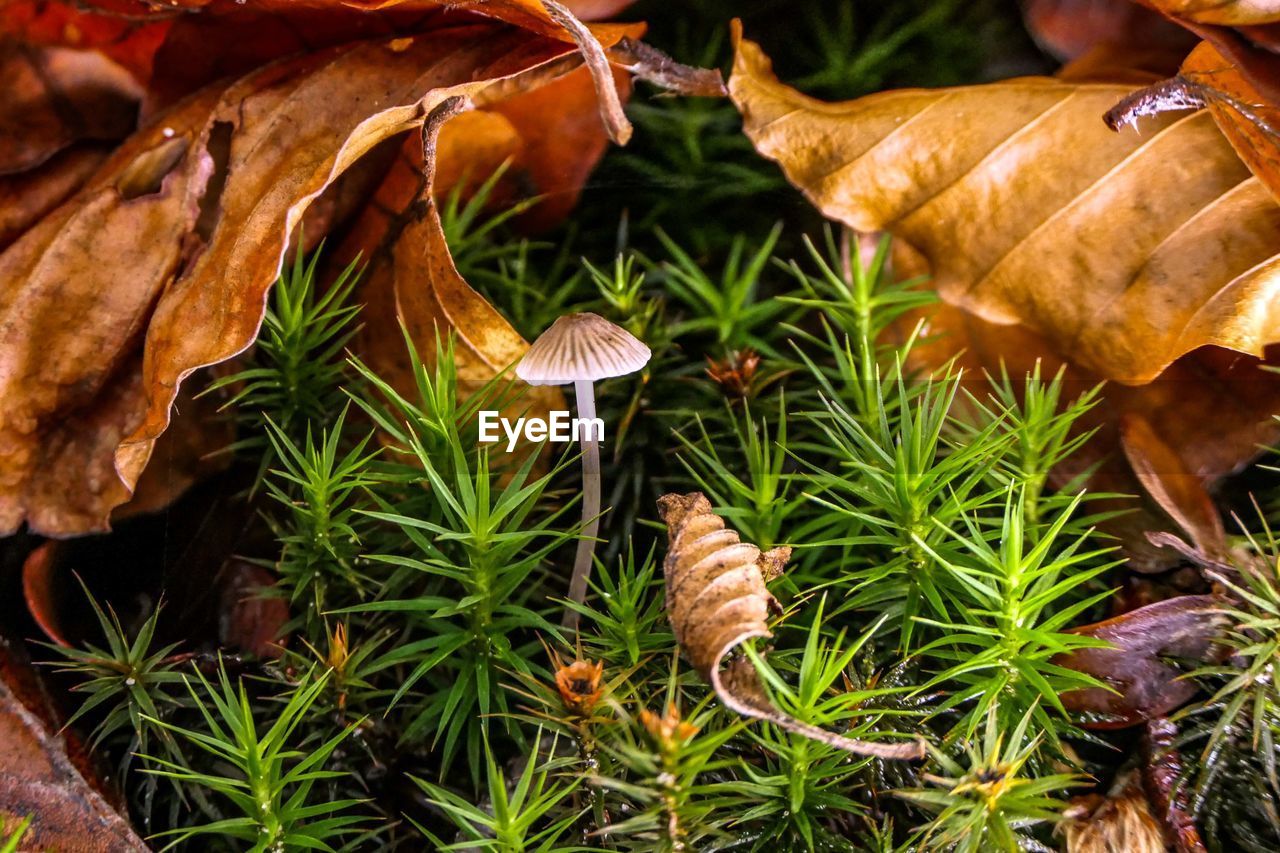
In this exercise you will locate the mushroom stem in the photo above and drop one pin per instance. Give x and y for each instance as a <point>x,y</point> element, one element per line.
<point>584,390</point>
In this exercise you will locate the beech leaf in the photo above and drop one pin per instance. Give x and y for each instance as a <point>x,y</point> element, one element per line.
<point>1145,685</point>
<point>716,600</point>
<point>41,779</point>
<point>412,281</point>
<point>1129,257</point>
<point>173,244</point>
<point>1248,119</point>
<point>56,96</point>
<point>1123,251</point>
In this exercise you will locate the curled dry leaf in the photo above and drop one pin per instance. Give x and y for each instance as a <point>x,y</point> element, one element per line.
<point>1226,13</point>
<point>172,246</point>
<point>1181,494</point>
<point>1145,685</point>
<point>38,590</point>
<point>1234,73</point>
<point>1248,118</point>
<point>177,47</point>
<point>716,599</point>
<point>412,281</point>
<point>40,777</point>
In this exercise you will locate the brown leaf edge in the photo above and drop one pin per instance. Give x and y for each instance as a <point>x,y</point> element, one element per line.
<point>47,775</point>
<point>716,600</point>
<point>164,378</point>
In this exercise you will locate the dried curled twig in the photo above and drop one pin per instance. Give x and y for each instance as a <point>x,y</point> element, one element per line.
<point>716,599</point>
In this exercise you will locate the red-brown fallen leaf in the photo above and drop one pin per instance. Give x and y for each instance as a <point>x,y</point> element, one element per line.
<point>38,591</point>
<point>1071,28</point>
<point>56,96</point>
<point>40,779</point>
<point>512,133</point>
<point>539,166</point>
<point>248,618</point>
<point>1181,494</point>
<point>177,239</point>
<point>26,198</point>
<point>177,47</point>
<point>717,600</point>
<point>129,40</point>
<point>1146,686</point>
<point>231,39</point>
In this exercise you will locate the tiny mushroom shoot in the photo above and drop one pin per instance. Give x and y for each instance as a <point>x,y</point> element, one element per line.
<point>580,349</point>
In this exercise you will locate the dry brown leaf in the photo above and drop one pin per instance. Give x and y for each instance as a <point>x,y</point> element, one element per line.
<point>172,246</point>
<point>1145,685</point>
<point>1235,72</point>
<point>1069,29</point>
<point>1239,391</point>
<point>412,281</point>
<point>1226,13</point>
<point>61,108</point>
<point>39,779</point>
<point>189,43</point>
<point>546,160</point>
<point>1139,259</point>
<point>1181,494</point>
<point>128,39</point>
<point>1249,121</point>
<point>25,198</point>
<point>716,600</point>
<point>1124,251</point>
<point>56,96</point>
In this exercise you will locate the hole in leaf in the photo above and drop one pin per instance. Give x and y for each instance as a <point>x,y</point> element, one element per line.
<point>219,149</point>
<point>147,172</point>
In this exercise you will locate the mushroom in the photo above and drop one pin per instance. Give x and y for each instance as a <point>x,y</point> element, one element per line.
<point>581,348</point>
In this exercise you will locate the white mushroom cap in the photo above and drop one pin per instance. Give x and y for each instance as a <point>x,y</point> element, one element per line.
<point>581,347</point>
